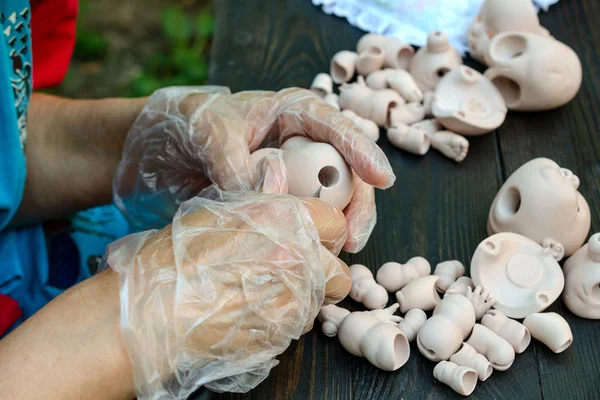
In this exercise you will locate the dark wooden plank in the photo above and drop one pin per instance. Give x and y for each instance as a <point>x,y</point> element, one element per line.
<point>437,209</point>
<point>571,137</point>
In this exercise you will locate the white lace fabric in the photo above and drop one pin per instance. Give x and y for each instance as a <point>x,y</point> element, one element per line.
<point>411,20</point>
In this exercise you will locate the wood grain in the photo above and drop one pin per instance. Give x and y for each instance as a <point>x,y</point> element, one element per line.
<point>571,137</point>
<point>437,209</point>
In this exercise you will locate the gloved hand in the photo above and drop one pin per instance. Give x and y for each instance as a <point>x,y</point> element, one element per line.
<point>212,298</point>
<point>187,138</point>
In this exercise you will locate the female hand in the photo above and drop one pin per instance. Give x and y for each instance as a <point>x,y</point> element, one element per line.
<point>212,298</point>
<point>187,138</point>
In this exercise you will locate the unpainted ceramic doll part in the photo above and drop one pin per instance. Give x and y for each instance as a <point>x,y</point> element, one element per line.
<point>431,62</point>
<point>460,285</point>
<point>394,276</point>
<point>353,95</point>
<point>419,293</point>
<point>322,85</point>
<point>461,379</point>
<point>450,144</point>
<point>428,126</point>
<point>582,280</point>
<point>497,350</point>
<point>387,314</point>
<point>428,99</point>
<point>369,61</point>
<point>518,273</point>
<point>540,200</point>
<point>365,290</point>
<point>466,102</point>
<point>550,329</point>
<point>455,317</point>
<point>449,272</point>
<point>436,346</point>
<point>532,72</point>
<point>384,102</point>
<point>403,82</point>
<point>412,323</point>
<point>382,343</point>
<point>468,357</point>
<point>480,299</point>
<point>343,66</point>
<point>333,99</point>
<point>317,170</point>
<point>331,317</point>
<point>406,138</point>
<point>459,310</point>
<point>370,41</point>
<point>369,128</point>
<point>497,16</point>
<point>407,114</point>
<point>375,105</point>
<point>397,53</point>
<point>510,330</point>
<point>378,80</point>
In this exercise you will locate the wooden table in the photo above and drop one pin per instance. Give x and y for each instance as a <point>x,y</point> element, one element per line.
<point>437,209</point>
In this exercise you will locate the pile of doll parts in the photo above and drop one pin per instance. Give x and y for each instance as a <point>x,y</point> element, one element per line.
<point>537,218</point>
<point>428,98</point>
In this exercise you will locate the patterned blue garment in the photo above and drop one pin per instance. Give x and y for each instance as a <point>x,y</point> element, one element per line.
<point>37,263</point>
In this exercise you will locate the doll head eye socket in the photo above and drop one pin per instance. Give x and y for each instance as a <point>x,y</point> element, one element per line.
<point>328,176</point>
<point>510,202</point>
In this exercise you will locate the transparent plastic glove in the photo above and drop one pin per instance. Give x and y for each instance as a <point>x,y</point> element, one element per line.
<point>187,138</point>
<point>211,299</point>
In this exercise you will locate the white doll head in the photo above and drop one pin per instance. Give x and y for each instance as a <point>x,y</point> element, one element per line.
<point>540,201</point>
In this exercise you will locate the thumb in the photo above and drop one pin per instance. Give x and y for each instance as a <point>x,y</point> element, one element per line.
<point>273,173</point>
<point>225,152</point>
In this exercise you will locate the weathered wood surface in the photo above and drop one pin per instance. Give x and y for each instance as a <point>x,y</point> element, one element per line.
<point>437,209</point>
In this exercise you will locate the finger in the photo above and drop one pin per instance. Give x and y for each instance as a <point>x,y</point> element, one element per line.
<point>224,150</point>
<point>273,174</point>
<point>361,216</point>
<point>303,112</point>
<point>338,280</point>
<point>330,223</point>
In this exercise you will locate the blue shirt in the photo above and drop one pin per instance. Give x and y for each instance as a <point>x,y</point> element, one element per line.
<point>37,263</point>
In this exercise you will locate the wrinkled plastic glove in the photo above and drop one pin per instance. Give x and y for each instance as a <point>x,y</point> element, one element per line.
<point>188,138</point>
<point>211,299</point>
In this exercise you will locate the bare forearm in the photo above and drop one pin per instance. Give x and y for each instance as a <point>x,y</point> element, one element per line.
<point>73,149</point>
<point>71,349</point>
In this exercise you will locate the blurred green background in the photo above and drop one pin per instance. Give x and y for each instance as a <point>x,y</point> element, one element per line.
<point>133,47</point>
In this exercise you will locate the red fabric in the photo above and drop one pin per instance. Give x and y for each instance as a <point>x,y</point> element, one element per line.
<point>10,312</point>
<point>53,40</point>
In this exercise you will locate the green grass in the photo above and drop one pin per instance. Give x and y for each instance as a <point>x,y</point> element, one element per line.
<point>186,60</point>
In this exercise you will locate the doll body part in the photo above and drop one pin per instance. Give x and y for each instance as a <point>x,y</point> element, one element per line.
<point>382,343</point>
<point>449,272</point>
<point>550,329</point>
<point>510,330</point>
<point>461,379</point>
<point>365,290</point>
<point>518,273</point>
<point>394,276</point>
<point>468,357</point>
<point>420,293</point>
<point>331,317</point>
<point>582,280</point>
<point>497,350</point>
<point>455,317</point>
<point>540,200</point>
